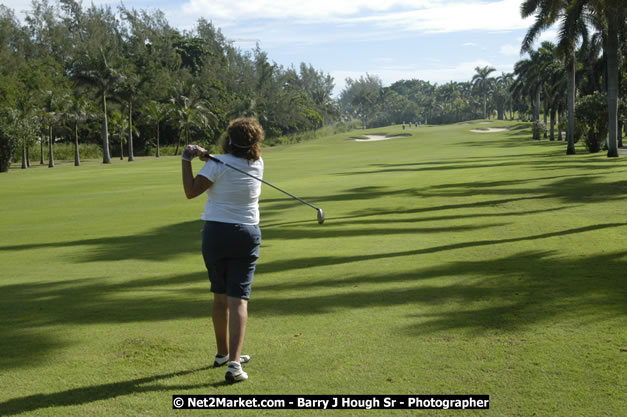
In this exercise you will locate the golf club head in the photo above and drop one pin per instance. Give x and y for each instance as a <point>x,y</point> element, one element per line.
<point>320,216</point>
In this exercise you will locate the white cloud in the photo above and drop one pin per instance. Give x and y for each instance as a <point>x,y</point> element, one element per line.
<point>413,15</point>
<point>432,16</point>
<point>289,9</point>
<point>469,44</point>
<point>455,16</point>
<point>510,50</point>
<point>548,35</point>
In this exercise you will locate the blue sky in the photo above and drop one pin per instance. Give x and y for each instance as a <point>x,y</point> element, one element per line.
<point>432,40</point>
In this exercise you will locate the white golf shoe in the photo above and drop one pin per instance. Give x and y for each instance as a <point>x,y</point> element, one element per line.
<point>235,373</point>
<point>222,360</point>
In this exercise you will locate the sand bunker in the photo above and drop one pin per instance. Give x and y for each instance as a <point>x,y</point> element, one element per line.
<point>374,138</point>
<point>490,130</point>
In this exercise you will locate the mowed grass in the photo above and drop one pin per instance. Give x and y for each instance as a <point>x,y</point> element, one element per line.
<point>450,262</point>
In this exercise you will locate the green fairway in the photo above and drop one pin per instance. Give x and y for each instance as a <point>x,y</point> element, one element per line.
<point>450,262</point>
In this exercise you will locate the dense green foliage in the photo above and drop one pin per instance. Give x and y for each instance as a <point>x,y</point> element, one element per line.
<point>592,114</point>
<point>411,101</point>
<point>8,139</point>
<point>127,79</point>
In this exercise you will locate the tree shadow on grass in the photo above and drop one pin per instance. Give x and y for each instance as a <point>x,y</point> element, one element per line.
<point>445,165</point>
<point>86,395</point>
<point>382,212</point>
<point>564,188</point>
<point>506,293</point>
<point>568,190</point>
<point>161,244</point>
<point>539,162</point>
<point>366,194</point>
<point>30,310</point>
<point>362,220</point>
<point>533,287</point>
<point>312,261</point>
<point>515,137</point>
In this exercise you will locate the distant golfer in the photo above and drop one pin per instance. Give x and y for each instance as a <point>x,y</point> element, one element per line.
<point>231,235</point>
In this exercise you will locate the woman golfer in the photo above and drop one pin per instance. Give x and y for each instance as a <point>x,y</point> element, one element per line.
<point>231,235</point>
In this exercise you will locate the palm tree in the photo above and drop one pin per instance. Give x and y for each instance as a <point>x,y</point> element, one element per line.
<point>118,128</point>
<point>533,72</point>
<point>502,94</point>
<point>26,126</point>
<point>50,115</point>
<point>189,115</point>
<point>96,70</point>
<point>191,111</point>
<point>609,16</point>
<point>548,13</point>
<point>554,89</point>
<point>127,91</point>
<point>530,77</point>
<point>77,112</point>
<point>481,81</point>
<point>550,70</point>
<point>156,112</point>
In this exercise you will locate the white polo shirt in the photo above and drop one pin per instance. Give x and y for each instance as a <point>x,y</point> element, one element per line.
<point>233,197</point>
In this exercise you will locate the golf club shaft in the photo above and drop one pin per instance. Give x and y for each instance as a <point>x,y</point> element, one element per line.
<point>259,179</point>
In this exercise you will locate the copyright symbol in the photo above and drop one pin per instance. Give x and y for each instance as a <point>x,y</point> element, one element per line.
<point>178,402</point>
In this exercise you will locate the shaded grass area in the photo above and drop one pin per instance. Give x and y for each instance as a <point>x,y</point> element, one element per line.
<point>489,265</point>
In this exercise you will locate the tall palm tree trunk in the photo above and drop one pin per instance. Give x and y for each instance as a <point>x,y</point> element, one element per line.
<point>106,157</point>
<point>41,142</point>
<point>176,151</point>
<point>536,114</point>
<point>552,136</point>
<point>77,158</point>
<point>131,157</point>
<point>561,117</point>
<point>158,151</point>
<point>612,84</point>
<point>50,148</point>
<point>570,133</point>
<point>546,114</point>
<point>24,158</point>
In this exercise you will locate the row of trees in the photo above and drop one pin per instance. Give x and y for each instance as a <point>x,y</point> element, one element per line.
<point>484,96</point>
<point>416,100</point>
<point>128,77</point>
<point>584,68</point>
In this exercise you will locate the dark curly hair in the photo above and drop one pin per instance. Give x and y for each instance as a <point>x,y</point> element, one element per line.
<point>243,137</point>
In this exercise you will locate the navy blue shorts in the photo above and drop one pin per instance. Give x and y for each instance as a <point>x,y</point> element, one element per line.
<point>230,252</point>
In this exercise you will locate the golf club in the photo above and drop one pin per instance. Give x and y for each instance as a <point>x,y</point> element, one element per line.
<point>319,210</point>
